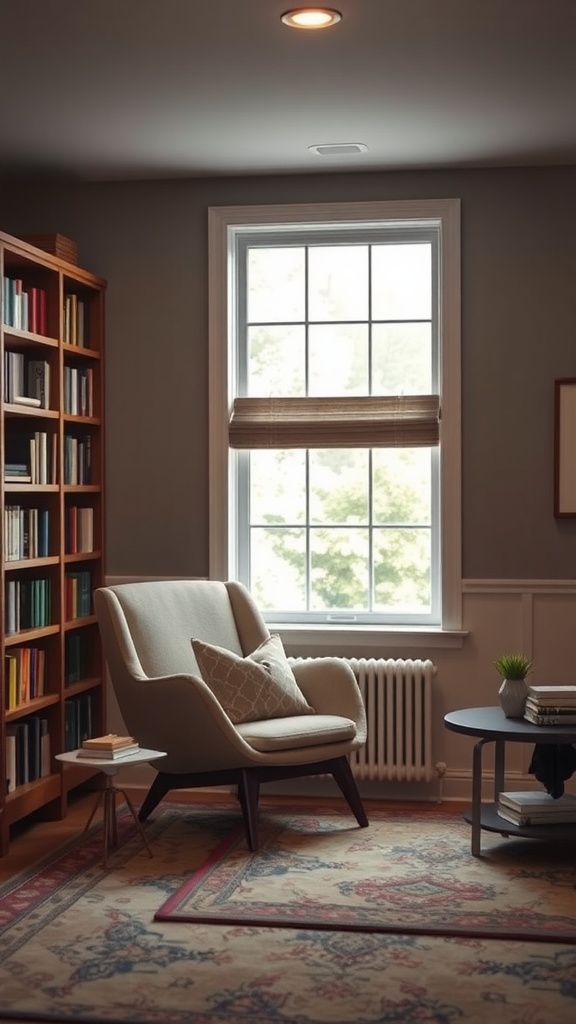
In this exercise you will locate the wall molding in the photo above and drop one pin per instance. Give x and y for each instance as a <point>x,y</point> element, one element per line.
<point>471,586</point>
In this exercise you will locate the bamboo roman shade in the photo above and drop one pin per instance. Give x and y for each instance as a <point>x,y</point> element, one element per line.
<point>406,421</point>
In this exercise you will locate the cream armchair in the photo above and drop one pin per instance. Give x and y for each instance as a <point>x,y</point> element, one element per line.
<point>311,714</point>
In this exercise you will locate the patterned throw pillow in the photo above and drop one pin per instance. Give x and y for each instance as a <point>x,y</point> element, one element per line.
<point>253,688</point>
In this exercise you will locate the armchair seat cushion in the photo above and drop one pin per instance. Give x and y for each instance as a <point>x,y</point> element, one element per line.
<point>295,732</point>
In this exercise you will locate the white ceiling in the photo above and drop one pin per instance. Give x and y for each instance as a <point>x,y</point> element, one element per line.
<point>118,89</point>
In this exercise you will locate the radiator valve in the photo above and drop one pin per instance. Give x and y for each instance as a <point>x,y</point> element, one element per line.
<point>440,769</point>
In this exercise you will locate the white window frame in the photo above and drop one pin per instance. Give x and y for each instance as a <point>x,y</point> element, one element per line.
<point>223,224</point>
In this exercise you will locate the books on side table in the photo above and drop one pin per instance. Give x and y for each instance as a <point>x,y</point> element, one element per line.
<point>109,747</point>
<point>530,807</point>
<point>551,705</point>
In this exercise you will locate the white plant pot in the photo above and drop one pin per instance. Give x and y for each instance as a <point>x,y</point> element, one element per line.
<point>513,693</point>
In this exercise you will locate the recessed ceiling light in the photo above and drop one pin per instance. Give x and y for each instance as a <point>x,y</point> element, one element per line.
<point>311,17</point>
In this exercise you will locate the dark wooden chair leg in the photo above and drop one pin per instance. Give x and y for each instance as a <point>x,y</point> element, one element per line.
<point>248,794</point>
<point>342,775</point>
<point>157,791</point>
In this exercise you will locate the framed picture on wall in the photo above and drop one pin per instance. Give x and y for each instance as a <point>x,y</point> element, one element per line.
<point>565,447</point>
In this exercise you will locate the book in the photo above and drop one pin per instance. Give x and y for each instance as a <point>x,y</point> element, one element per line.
<point>26,400</point>
<point>76,661</point>
<point>33,752</point>
<point>567,703</point>
<point>111,741</point>
<point>44,748</point>
<point>108,755</point>
<point>12,681</point>
<point>11,758</point>
<point>525,820</point>
<point>552,718</point>
<point>39,380</point>
<point>545,692</point>
<point>529,801</point>
<point>551,702</point>
<point>22,776</point>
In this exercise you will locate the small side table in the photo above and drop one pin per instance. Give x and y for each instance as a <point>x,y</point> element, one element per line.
<point>108,793</point>
<point>489,725</point>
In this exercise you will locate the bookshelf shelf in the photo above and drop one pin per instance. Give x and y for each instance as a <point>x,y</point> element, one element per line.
<point>90,420</point>
<point>46,793</point>
<point>47,788</point>
<point>51,423</point>
<point>31,488</point>
<point>86,684</point>
<point>26,339</point>
<point>37,414</point>
<point>31,563</point>
<point>81,353</point>
<point>81,489</point>
<point>25,635</point>
<point>83,556</point>
<point>84,620</point>
<point>37,704</point>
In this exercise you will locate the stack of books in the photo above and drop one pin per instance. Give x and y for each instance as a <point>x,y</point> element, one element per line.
<point>551,705</point>
<point>108,747</point>
<point>537,808</point>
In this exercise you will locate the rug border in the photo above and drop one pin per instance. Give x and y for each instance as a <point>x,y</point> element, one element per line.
<point>167,915</point>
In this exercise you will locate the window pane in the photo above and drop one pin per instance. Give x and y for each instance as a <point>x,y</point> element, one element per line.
<point>278,568</point>
<point>277,486</point>
<point>338,360</point>
<point>401,483</point>
<point>344,309</point>
<point>339,576</point>
<point>401,282</point>
<point>339,486</point>
<point>338,282</point>
<point>276,288</point>
<point>402,359</point>
<point>276,362</point>
<point>402,560</point>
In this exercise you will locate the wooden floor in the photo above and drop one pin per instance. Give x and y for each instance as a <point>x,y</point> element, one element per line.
<point>31,840</point>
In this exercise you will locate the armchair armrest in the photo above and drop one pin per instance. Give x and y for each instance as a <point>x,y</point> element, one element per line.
<point>179,714</point>
<point>330,687</point>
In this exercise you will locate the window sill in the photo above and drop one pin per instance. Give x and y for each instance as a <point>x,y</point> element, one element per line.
<point>339,639</point>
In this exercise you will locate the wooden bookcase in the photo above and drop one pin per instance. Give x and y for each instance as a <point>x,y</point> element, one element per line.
<point>52,545</point>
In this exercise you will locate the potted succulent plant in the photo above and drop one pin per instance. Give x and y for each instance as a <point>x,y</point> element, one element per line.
<point>513,669</point>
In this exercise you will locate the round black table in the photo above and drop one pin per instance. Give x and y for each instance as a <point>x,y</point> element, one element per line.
<point>492,726</point>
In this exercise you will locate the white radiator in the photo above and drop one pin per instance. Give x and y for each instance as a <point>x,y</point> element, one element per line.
<point>397,694</point>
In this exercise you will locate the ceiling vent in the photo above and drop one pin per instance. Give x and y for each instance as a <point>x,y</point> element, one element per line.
<point>339,149</point>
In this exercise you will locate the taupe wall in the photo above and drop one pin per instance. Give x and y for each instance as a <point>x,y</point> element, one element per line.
<point>148,239</point>
<point>519,333</point>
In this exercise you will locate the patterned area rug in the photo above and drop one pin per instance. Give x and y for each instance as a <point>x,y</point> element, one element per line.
<point>79,943</point>
<point>318,871</point>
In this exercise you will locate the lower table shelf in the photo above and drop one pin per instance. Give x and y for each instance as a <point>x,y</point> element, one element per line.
<point>491,821</point>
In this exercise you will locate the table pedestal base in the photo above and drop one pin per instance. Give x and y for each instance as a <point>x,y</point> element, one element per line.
<point>107,798</point>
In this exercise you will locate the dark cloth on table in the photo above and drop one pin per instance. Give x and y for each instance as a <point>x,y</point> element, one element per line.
<point>552,764</point>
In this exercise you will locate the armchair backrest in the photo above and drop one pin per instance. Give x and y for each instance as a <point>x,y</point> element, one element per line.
<point>146,630</point>
<point>149,625</point>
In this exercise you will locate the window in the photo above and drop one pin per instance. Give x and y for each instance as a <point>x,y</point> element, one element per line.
<point>335,411</point>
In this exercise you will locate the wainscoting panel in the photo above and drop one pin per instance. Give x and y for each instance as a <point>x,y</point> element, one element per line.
<point>535,617</point>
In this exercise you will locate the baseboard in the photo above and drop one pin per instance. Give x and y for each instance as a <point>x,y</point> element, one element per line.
<point>452,786</point>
